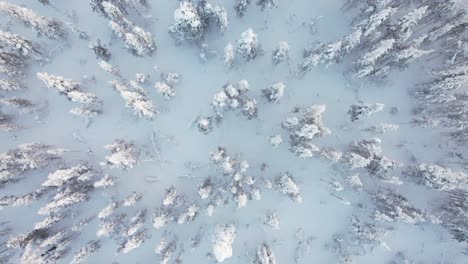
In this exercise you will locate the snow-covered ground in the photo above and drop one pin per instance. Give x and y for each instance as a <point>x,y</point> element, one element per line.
<point>281,208</point>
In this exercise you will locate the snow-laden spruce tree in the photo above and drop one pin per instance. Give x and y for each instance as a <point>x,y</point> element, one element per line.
<point>452,211</point>
<point>133,242</point>
<point>357,112</point>
<point>275,92</point>
<point>304,127</point>
<point>210,13</point>
<point>81,172</point>
<point>10,85</point>
<point>101,51</point>
<point>241,7</point>
<point>138,41</point>
<point>265,255</point>
<point>437,177</point>
<point>248,46</point>
<point>286,184</point>
<point>361,239</point>
<point>13,65</point>
<point>441,102</point>
<point>48,27</point>
<point>90,104</point>
<point>394,207</point>
<point>123,155</point>
<point>272,220</point>
<point>367,154</point>
<point>166,249</point>
<point>266,4</point>
<point>27,157</point>
<point>17,43</point>
<point>242,187</point>
<point>135,99</point>
<point>223,239</point>
<point>280,53</point>
<point>233,98</point>
<point>229,56</point>
<point>367,64</point>
<point>7,123</point>
<point>191,21</point>
<point>187,23</point>
<point>82,254</point>
<point>166,86</point>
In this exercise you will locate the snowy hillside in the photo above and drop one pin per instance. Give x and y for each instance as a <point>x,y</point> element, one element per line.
<point>243,131</point>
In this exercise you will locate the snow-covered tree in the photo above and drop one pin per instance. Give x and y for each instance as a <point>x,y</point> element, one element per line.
<point>192,21</point>
<point>90,104</point>
<point>229,56</point>
<point>241,7</point>
<point>210,13</point>
<point>101,51</point>
<point>204,191</point>
<point>48,27</point>
<point>286,184</point>
<point>232,98</point>
<point>108,210</point>
<point>266,3</point>
<point>281,53</point>
<point>12,65</point>
<point>65,199</point>
<point>403,30</point>
<point>165,90</point>
<point>274,92</point>
<point>187,23</point>
<point>17,43</point>
<point>161,218</point>
<point>136,222</point>
<point>272,220</point>
<point>305,126</point>
<point>382,128</point>
<point>136,39</point>
<point>109,68</point>
<point>135,99</point>
<point>437,177</point>
<point>132,199</point>
<point>222,242</point>
<point>23,105</point>
<point>357,112</point>
<point>27,157</point>
<point>6,123</point>
<point>368,154</point>
<point>123,155</point>
<point>133,242</point>
<point>10,85</point>
<point>452,212</point>
<point>265,255</point>
<point>81,172</point>
<point>166,249</point>
<point>392,207</point>
<point>275,140</point>
<point>110,227</point>
<point>90,248</point>
<point>189,214</point>
<point>206,124</point>
<point>365,65</point>
<point>248,46</point>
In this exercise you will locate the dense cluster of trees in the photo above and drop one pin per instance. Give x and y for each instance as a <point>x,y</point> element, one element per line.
<point>231,98</point>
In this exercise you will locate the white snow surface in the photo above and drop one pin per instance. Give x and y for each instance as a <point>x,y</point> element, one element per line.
<point>173,153</point>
